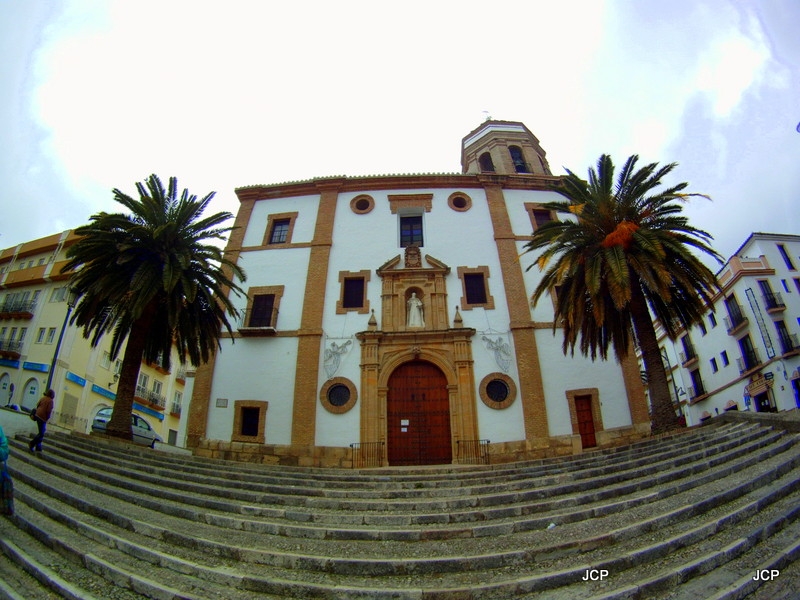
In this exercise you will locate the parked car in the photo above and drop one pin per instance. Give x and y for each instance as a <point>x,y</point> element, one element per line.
<point>142,432</point>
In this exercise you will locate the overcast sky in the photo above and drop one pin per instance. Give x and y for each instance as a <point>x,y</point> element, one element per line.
<point>98,94</point>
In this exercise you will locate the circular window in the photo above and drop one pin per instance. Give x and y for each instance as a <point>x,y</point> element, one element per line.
<point>497,390</point>
<point>338,395</point>
<point>362,204</point>
<point>459,201</point>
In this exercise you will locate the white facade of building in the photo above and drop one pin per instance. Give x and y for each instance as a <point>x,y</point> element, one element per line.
<point>338,359</point>
<point>746,356</point>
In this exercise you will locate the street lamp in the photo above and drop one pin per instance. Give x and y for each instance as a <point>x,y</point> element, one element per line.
<point>72,296</point>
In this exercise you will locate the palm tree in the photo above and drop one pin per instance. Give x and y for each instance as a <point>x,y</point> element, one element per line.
<point>627,255</point>
<point>151,277</point>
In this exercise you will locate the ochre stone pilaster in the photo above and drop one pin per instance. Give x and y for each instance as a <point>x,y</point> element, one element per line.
<point>309,340</point>
<point>201,394</point>
<point>522,327</point>
<point>634,388</point>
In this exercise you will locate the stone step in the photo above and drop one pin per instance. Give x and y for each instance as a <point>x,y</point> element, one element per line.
<point>490,481</point>
<point>652,525</point>
<point>776,465</point>
<point>237,573</point>
<point>33,569</point>
<point>394,479</point>
<point>20,577</point>
<point>455,498</point>
<point>357,526</point>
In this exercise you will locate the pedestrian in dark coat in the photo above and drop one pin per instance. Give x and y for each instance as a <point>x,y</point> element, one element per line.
<point>41,415</point>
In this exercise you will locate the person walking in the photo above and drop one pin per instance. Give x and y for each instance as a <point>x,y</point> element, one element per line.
<point>41,415</point>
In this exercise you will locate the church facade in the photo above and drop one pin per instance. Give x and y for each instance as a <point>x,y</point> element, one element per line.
<point>388,322</point>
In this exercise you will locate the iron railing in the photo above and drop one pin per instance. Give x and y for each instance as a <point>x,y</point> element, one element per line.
<point>18,306</point>
<point>367,454</point>
<point>789,343</point>
<point>10,346</point>
<point>472,452</point>
<point>774,301</point>
<point>748,361</point>
<point>151,396</point>
<point>735,317</point>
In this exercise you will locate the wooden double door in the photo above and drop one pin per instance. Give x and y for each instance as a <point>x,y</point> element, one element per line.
<point>418,416</point>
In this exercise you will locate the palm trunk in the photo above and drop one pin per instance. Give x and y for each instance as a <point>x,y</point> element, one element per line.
<point>662,412</point>
<point>120,423</point>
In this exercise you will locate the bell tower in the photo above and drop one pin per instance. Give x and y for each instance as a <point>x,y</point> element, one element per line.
<point>504,148</point>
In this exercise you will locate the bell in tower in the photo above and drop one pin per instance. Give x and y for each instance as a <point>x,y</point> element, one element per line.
<point>503,147</point>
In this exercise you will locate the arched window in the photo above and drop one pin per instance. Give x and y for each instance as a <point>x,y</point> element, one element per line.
<point>518,159</point>
<point>485,162</point>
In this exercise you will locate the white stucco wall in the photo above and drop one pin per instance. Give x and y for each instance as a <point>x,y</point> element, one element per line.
<point>306,208</point>
<point>259,368</point>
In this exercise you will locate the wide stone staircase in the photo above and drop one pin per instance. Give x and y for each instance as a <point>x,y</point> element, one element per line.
<point>694,515</point>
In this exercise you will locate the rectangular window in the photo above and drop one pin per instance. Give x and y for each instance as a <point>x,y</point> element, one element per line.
<point>22,333</point>
<point>141,385</point>
<point>105,362</point>
<point>475,288</point>
<point>40,335</point>
<point>250,419</point>
<point>157,385</point>
<point>411,231</point>
<point>59,294</point>
<point>697,384</point>
<point>51,335</point>
<point>353,292</point>
<point>786,258</point>
<point>714,367</point>
<point>749,358</point>
<point>785,286</point>
<point>541,216</point>
<point>797,284</point>
<point>724,356</point>
<point>703,329</point>
<point>280,231</point>
<point>712,318</point>
<point>735,315</point>
<point>262,311</point>
<point>784,339</point>
<point>688,349</point>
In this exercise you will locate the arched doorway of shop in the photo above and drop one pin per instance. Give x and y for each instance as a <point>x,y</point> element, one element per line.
<point>418,416</point>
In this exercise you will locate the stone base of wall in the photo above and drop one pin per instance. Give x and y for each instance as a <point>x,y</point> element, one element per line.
<point>342,458</point>
<point>292,456</point>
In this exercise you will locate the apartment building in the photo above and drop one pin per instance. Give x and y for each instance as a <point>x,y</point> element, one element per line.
<point>39,349</point>
<point>745,355</point>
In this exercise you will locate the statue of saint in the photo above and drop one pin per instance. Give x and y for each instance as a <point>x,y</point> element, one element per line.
<point>415,318</point>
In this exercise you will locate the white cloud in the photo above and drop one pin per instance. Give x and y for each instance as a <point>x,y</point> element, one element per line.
<point>728,68</point>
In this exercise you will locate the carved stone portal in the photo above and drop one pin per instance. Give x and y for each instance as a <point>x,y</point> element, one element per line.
<point>400,339</point>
